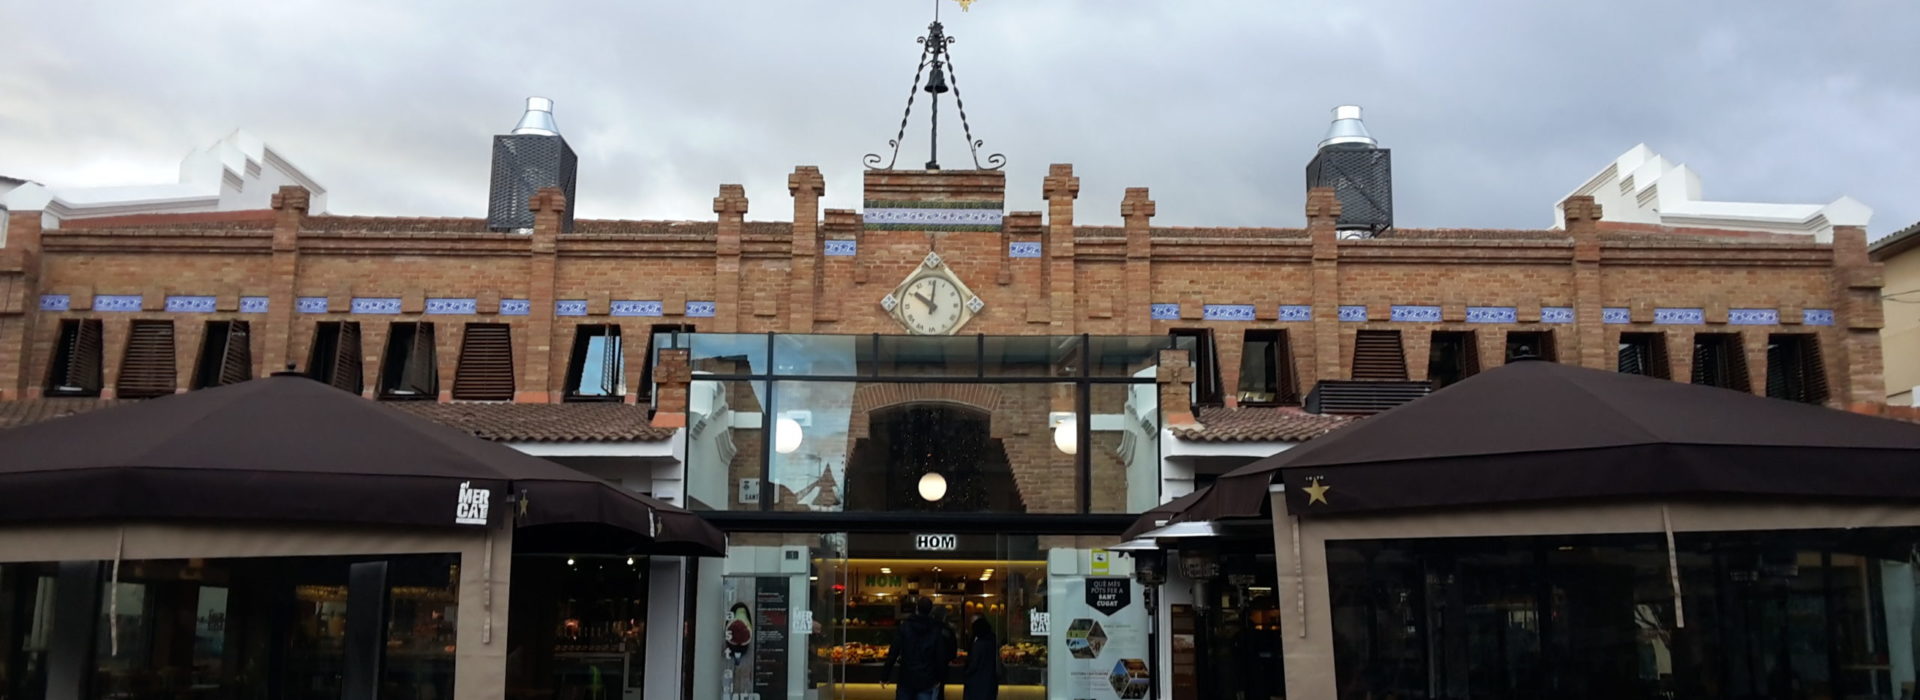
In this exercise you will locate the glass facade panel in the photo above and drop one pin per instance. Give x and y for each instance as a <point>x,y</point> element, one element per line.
<point>726,353</point>
<point>579,627</point>
<point>724,443</point>
<point>1126,356</point>
<point>823,355</point>
<point>1031,356</point>
<point>818,614</point>
<point>1124,447</point>
<point>26,629</point>
<point>1781,614</point>
<point>927,356</point>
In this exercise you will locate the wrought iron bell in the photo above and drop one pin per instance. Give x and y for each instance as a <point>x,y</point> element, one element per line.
<point>937,83</point>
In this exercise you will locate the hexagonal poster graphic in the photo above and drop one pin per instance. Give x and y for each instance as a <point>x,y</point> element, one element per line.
<point>1085,638</point>
<point>1129,678</point>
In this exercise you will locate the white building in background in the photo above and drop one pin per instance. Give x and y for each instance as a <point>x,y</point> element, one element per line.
<point>236,173</point>
<point>1644,188</point>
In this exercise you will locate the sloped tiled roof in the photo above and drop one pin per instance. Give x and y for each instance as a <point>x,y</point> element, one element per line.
<point>1259,424</point>
<point>501,422</point>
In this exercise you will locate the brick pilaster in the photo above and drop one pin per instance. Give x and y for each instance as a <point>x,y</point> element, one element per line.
<point>447,337</point>
<point>21,254</point>
<point>290,209</point>
<point>1323,212</point>
<point>1137,210</point>
<point>1175,375</point>
<point>1856,302</point>
<point>1754,343</point>
<point>187,335</point>
<point>114,329</point>
<point>1588,341</point>
<point>537,382</point>
<point>1680,355</point>
<point>671,377</point>
<point>807,187</point>
<point>1060,189</point>
<point>731,205</point>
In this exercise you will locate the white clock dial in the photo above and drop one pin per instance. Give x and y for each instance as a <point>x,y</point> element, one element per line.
<point>932,305</point>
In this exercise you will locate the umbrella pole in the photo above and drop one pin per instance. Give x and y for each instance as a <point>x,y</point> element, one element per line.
<point>1299,574</point>
<point>486,589</point>
<point>1673,570</point>
<point>113,594</point>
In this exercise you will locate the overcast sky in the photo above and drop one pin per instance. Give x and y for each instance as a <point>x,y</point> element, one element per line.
<point>1494,110</point>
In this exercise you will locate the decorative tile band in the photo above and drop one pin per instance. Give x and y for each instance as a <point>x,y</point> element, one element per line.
<point>700,309</point>
<point>1227,312</point>
<point>636,308</point>
<point>1753,317</point>
<point>570,307</point>
<point>310,305</point>
<point>376,305</point>
<point>55,302</point>
<point>1354,313</point>
<point>191,304</point>
<point>1817,317</point>
<point>445,305</point>
<point>1023,249</point>
<point>1416,314</point>
<point>923,218</point>
<point>1616,314</point>
<point>840,247</point>
<point>1165,312</point>
<point>1492,314</point>
<point>253,305</point>
<point>1692,317</point>
<point>118,302</point>
<point>1296,312</point>
<point>515,307</point>
<point>1556,314</point>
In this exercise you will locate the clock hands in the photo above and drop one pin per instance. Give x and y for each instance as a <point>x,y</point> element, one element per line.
<point>931,307</point>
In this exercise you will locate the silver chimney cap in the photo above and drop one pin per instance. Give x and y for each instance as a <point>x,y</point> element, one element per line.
<point>1347,128</point>
<point>539,118</point>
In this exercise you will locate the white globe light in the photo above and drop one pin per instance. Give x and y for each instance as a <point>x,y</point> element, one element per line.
<point>933,487</point>
<point>1066,435</point>
<point>786,436</point>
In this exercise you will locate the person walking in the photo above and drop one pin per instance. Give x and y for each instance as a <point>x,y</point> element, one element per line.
<point>919,653</point>
<point>981,680</point>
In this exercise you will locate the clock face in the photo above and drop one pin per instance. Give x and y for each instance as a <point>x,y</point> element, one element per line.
<point>932,305</point>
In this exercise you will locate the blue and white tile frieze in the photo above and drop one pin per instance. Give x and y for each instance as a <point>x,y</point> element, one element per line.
<point>1353,313</point>
<point>636,308</point>
<point>700,309</point>
<point>118,302</point>
<point>570,307</point>
<point>1023,249</point>
<point>448,305</point>
<point>253,305</point>
<point>1685,317</point>
<point>310,305</point>
<point>1296,312</point>
<point>1227,312</point>
<point>1165,312</point>
<point>1616,314</point>
<point>182,304</point>
<point>515,307</point>
<point>1492,314</point>
<point>932,217</point>
<point>840,247</point>
<point>1415,314</point>
<point>1817,317</point>
<point>376,305</point>
<point>1753,317</point>
<point>55,302</point>
<point>1556,314</point>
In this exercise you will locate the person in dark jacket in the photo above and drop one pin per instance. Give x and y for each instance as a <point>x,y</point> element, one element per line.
<point>982,677</point>
<point>920,653</point>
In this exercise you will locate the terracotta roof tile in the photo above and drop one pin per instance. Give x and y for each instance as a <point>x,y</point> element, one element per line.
<point>502,422</point>
<point>548,422</point>
<point>1262,424</point>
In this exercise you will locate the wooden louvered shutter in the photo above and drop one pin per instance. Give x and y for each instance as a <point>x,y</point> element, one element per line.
<point>236,359</point>
<point>1284,379</point>
<point>421,375</point>
<point>1377,355</point>
<point>1633,358</point>
<point>346,358</point>
<point>1719,360</point>
<point>147,370</point>
<point>1815,369</point>
<point>612,365</point>
<point>77,361</point>
<point>485,370</point>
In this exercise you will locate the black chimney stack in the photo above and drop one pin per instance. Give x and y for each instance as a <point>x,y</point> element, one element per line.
<point>533,156</point>
<point>1360,173</point>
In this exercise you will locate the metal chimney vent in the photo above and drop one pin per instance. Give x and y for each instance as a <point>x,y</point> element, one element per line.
<point>532,157</point>
<point>1358,170</point>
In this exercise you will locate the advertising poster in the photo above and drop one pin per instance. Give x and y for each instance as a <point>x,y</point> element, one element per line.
<point>770,637</point>
<point>1099,640</point>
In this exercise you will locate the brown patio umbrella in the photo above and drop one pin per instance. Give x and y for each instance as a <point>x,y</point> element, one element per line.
<point>1158,516</point>
<point>288,449</point>
<point>1539,431</point>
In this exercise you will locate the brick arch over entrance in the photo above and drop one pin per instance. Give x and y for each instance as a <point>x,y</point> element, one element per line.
<point>875,397</point>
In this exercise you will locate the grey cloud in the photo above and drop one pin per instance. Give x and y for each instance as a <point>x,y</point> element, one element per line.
<point>1494,109</point>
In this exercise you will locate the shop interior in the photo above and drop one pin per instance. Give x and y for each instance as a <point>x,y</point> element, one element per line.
<point>860,603</point>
